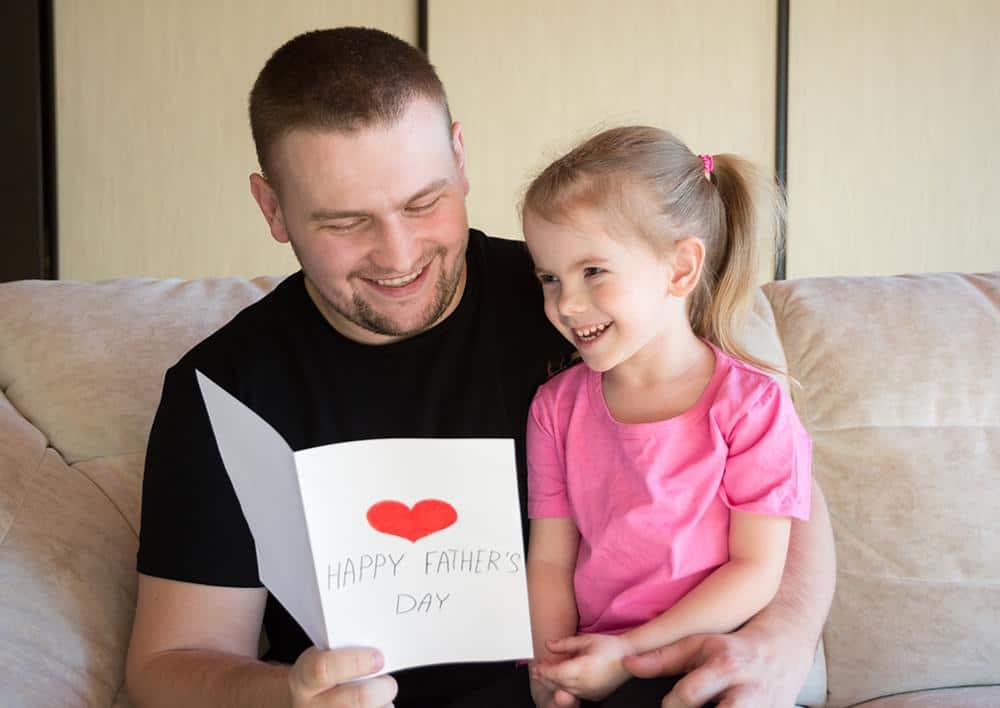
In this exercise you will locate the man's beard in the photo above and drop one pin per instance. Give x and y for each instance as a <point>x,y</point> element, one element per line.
<point>364,315</point>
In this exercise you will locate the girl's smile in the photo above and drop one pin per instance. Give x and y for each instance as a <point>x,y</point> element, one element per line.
<point>586,336</point>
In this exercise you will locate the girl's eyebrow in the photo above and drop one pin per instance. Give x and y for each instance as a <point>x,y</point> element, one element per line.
<point>589,260</point>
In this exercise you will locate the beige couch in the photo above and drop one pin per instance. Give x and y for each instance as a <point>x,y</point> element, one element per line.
<point>900,390</point>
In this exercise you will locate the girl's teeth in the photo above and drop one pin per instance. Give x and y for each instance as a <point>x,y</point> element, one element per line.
<point>592,332</point>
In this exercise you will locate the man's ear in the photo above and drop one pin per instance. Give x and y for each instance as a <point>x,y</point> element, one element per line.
<point>267,199</point>
<point>458,148</point>
<point>687,259</point>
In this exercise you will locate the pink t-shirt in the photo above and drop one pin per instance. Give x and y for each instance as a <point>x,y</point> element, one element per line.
<point>652,500</point>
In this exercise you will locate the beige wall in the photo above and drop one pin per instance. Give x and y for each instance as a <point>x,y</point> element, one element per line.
<point>528,80</point>
<point>153,141</point>
<point>891,136</point>
<point>892,146</point>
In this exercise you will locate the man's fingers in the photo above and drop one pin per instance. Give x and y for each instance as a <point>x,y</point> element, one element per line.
<point>672,659</point>
<point>741,697</point>
<point>317,670</point>
<point>370,693</point>
<point>698,687</point>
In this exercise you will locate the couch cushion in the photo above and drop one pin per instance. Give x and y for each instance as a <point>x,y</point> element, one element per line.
<point>67,571</point>
<point>84,362</point>
<point>970,697</point>
<point>901,393</point>
<point>21,449</point>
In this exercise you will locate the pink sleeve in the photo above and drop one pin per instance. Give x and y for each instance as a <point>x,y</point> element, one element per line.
<point>769,468</point>
<point>546,474</point>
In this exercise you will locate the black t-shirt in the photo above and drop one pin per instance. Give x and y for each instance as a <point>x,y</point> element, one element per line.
<point>472,375</point>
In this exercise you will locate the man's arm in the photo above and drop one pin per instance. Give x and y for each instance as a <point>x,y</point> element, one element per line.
<point>196,645</point>
<point>768,660</point>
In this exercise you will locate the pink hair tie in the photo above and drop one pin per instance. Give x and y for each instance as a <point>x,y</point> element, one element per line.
<point>709,163</point>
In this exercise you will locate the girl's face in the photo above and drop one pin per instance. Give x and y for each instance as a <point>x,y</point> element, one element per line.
<point>606,288</point>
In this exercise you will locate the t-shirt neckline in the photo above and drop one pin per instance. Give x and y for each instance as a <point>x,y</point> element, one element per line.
<point>696,412</point>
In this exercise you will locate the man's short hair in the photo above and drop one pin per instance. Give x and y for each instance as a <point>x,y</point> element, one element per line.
<point>338,79</point>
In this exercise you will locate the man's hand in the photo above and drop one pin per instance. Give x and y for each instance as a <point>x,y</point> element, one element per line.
<point>594,669</point>
<point>750,668</point>
<point>319,679</point>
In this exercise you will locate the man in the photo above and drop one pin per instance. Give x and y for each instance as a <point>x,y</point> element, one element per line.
<point>402,323</point>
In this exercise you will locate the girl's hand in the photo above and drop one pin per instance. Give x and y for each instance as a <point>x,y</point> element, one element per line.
<point>548,695</point>
<point>594,668</point>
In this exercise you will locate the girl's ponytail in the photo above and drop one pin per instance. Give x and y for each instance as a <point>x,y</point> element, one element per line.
<point>752,206</point>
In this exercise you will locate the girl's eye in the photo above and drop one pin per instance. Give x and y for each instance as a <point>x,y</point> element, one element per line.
<point>421,208</point>
<point>592,270</point>
<point>545,278</point>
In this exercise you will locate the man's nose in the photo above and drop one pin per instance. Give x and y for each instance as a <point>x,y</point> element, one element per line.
<point>397,250</point>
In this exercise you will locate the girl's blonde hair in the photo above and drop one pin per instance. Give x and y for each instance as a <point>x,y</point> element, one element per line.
<point>726,211</point>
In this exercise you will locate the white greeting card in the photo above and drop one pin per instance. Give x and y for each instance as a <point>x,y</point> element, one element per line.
<point>411,546</point>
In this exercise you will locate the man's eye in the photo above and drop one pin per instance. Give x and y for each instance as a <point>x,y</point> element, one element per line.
<point>592,270</point>
<point>421,208</point>
<point>345,225</point>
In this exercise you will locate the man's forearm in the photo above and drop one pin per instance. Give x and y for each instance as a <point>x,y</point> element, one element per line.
<point>803,600</point>
<point>196,678</point>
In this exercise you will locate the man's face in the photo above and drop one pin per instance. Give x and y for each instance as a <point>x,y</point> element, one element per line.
<point>377,219</point>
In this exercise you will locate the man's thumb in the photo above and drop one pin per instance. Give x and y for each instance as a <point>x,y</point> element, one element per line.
<point>664,661</point>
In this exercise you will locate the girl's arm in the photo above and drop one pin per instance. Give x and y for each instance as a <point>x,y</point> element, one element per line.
<point>732,594</point>
<point>552,548</point>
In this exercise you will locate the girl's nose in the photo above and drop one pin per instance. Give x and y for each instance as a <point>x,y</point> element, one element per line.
<point>571,303</point>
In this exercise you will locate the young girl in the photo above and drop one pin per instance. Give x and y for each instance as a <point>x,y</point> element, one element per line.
<point>664,471</point>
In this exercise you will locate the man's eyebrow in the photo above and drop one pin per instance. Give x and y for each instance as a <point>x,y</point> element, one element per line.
<point>330,215</point>
<point>334,214</point>
<point>432,187</point>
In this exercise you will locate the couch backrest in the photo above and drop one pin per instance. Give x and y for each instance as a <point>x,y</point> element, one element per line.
<point>901,394</point>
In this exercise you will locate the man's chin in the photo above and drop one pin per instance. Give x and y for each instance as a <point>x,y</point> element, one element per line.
<point>387,326</point>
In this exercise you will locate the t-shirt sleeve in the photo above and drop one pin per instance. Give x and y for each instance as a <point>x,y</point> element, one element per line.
<point>192,527</point>
<point>769,466</point>
<point>547,496</point>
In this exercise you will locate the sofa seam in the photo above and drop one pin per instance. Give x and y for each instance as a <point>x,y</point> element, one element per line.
<point>120,691</point>
<point>875,426</point>
<point>24,494</point>
<point>924,690</point>
<point>105,457</point>
<point>923,581</point>
<point>103,493</point>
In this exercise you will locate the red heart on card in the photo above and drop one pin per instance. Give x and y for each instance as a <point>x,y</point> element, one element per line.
<point>426,517</point>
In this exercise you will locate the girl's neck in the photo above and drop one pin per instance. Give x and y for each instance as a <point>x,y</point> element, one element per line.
<point>660,382</point>
<point>669,358</point>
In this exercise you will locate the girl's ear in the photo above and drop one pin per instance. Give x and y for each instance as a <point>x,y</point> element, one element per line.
<point>686,261</point>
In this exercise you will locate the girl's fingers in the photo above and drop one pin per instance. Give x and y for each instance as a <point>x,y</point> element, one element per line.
<point>565,699</point>
<point>565,673</point>
<point>568,645</point>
